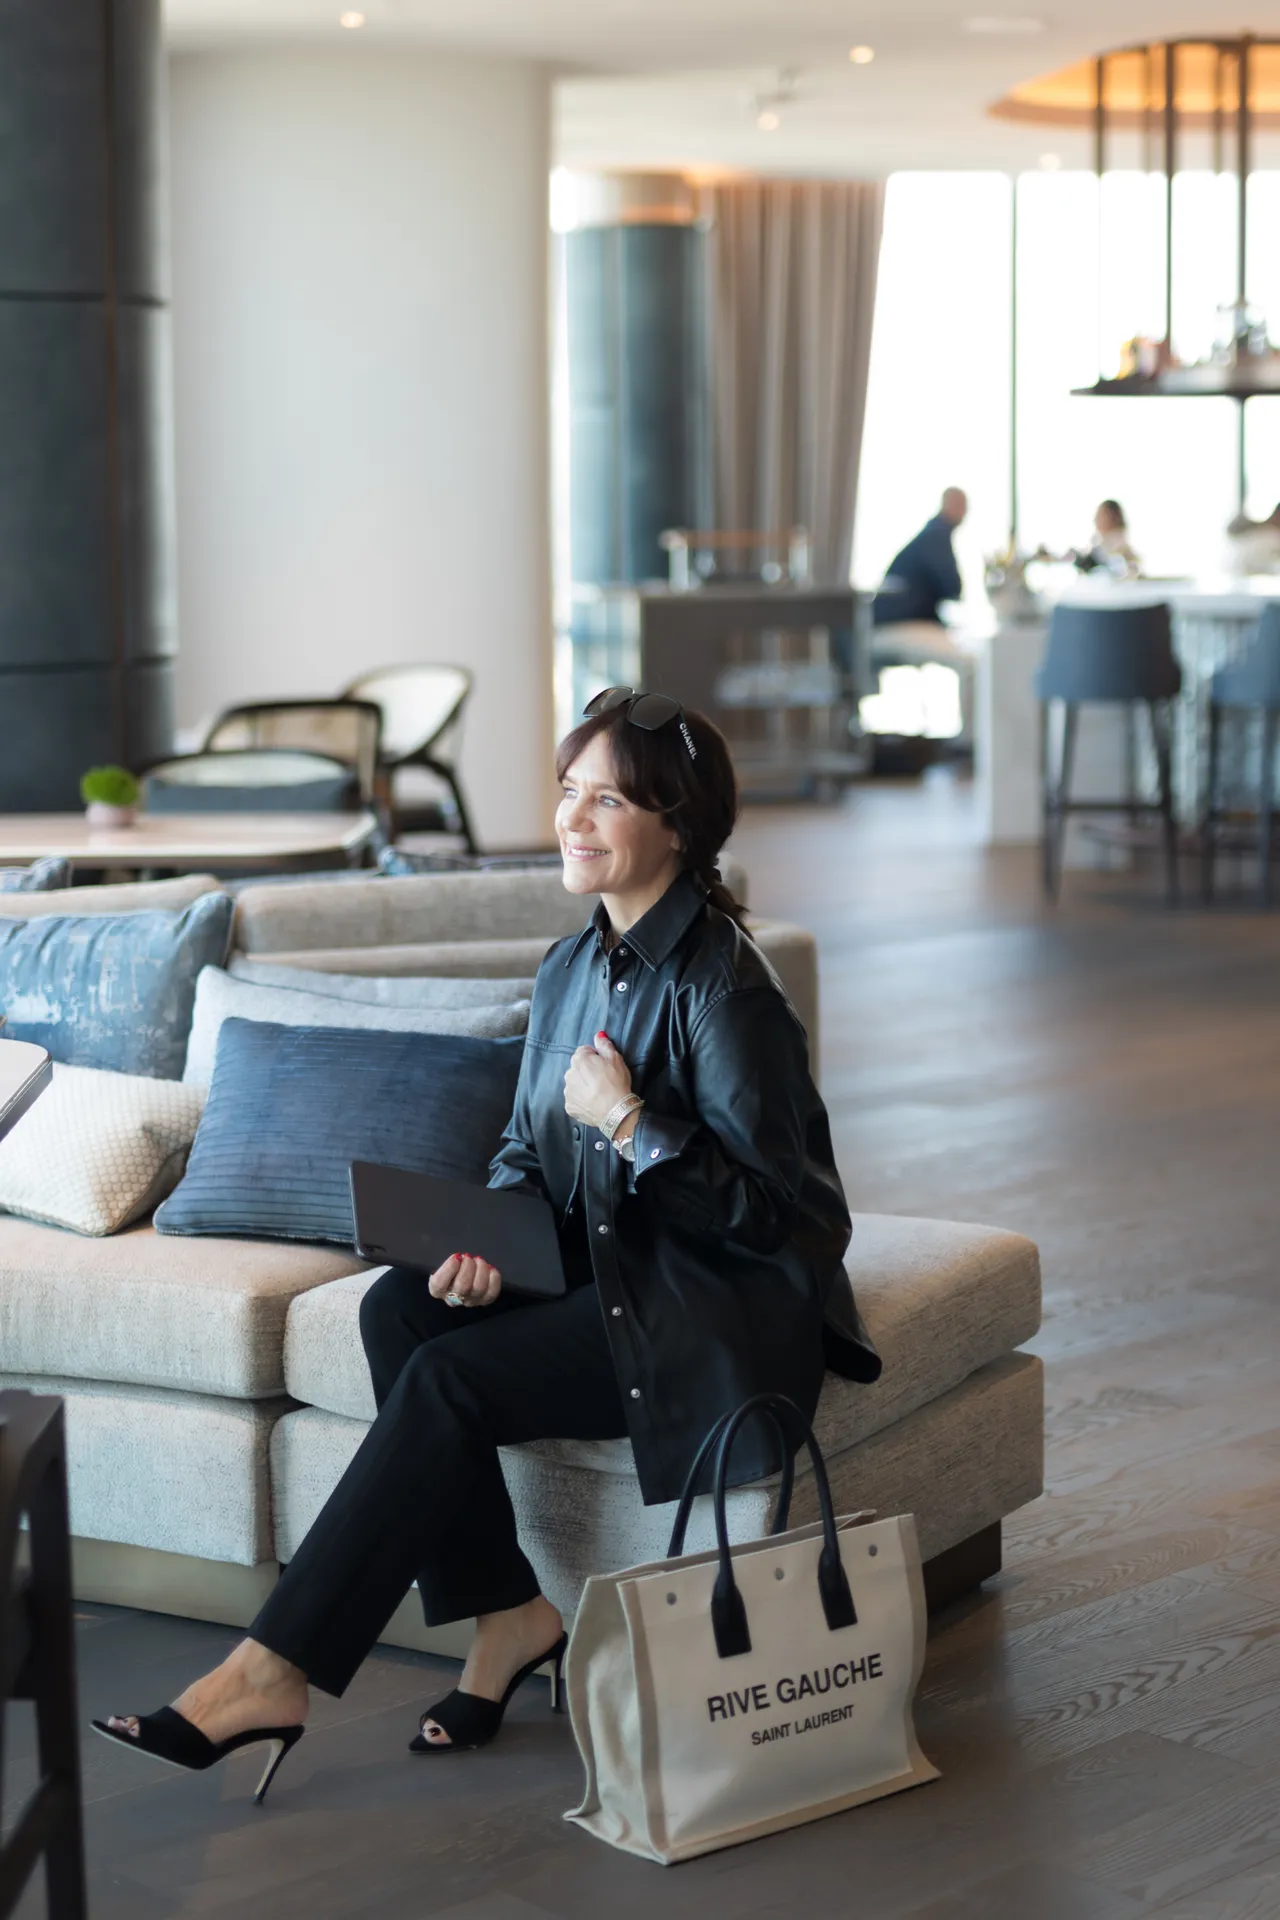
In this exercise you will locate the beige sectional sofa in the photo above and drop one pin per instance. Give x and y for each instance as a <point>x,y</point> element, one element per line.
<point>215,1388</point>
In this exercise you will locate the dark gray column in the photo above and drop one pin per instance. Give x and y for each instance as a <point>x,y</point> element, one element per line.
<point>638,460</point>
<point>87,625</point>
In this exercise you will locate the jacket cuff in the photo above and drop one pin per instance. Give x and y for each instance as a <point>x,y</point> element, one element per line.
<point>658,1140</point>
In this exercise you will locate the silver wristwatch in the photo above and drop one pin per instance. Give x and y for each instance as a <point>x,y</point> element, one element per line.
<point>626,1149</point>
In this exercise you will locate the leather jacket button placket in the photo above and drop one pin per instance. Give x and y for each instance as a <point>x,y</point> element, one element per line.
<point>599,1188</point>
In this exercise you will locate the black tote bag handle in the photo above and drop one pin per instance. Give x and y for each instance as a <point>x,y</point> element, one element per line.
<point>782,1508</point>
<point>728,1614</point>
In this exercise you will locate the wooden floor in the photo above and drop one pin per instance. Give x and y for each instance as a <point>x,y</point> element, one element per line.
<point>1107,1715</point>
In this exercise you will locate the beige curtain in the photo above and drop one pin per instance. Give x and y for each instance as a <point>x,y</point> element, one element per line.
<point>793,287</point>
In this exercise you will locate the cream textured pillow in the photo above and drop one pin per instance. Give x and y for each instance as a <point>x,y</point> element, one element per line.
<point>98,1149</point>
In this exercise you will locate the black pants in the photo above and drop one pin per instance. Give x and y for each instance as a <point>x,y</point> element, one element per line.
<point>424,1497</point>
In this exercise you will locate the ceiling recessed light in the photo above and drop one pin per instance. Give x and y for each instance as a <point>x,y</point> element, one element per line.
<point>862,56</point>
<point>768,121</point>
<point>351,20</point>
<point>1051,162</point>
<point>1003,23</point>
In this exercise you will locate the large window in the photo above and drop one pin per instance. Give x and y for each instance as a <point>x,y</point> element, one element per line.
<point>1089,274</point>
<point>938,398</point>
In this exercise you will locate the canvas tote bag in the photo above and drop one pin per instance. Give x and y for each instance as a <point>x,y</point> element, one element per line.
<point>720,1696</point>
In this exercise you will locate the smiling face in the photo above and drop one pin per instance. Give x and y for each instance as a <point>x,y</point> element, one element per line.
<point>609,844</point>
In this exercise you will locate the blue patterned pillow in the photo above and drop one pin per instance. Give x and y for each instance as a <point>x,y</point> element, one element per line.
<point>111,990</point>
<point>291,1107</point>
<point>42,876</point>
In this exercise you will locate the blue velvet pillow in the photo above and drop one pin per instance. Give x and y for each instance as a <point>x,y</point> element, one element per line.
<point>42,876</point>
<point>111,990</point>
<point>291,1107</point>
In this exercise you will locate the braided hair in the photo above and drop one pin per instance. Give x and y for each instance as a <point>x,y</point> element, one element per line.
<point>696,793</point>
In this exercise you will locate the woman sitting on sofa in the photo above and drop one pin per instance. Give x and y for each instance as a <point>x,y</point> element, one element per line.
<point>666,1110</point>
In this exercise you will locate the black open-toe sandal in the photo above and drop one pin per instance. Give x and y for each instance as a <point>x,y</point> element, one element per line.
<point>166,1735</point>
<point>471,1722</point>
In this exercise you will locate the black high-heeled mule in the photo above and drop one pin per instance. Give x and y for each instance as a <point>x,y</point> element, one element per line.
<point>166,1735</point>
<point>471,1722</point>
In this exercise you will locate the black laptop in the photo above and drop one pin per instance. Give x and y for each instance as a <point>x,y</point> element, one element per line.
<point>417,1220</point>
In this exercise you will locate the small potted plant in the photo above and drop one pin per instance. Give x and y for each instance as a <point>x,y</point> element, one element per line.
<point>110,796</point>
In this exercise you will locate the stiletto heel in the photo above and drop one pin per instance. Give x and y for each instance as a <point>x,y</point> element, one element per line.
<point>167,1736</point>
<point>471,1722</point>
<point>280,1745</point>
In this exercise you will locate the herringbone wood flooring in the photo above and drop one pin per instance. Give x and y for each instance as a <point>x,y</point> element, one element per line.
<point>1107,1714</point>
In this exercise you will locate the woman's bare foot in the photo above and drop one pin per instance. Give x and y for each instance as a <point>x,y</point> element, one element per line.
<point>503,1644</point>
<point>252,1688</point>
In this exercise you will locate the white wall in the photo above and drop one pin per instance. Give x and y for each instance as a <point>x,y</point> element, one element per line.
<point>360,323</point>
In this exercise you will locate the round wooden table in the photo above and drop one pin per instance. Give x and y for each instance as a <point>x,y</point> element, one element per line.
<point>190,842</point>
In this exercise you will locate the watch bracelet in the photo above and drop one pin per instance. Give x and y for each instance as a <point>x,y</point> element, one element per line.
<point>618,1113</point>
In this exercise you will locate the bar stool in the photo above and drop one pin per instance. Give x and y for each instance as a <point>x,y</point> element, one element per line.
<point>1251,683</point>
<point>1113,655</point>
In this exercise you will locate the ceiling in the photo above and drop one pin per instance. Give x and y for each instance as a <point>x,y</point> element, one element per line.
<point>677,83</point>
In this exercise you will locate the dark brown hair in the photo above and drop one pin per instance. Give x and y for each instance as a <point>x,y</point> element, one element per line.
<point>697,798</point>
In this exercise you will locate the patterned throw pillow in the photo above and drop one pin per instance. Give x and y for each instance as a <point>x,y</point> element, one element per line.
<point>111,990</point>
<point>98,1150</point>
<point>42,876</point>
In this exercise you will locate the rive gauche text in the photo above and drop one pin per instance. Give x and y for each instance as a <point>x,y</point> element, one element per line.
<point>735,1703</point>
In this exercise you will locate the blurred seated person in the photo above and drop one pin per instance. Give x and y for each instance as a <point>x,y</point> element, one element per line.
<point>1253,546</point>
<point>925,572</point>
<point>910,633</point>
<point>1109,549</point>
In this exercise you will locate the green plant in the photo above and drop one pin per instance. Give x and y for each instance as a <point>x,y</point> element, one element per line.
<point>109,787</point>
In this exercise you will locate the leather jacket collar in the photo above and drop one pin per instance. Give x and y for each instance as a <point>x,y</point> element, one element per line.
<point>657,933</point>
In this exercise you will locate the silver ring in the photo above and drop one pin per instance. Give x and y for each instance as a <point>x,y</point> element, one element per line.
<point>455,1299</point>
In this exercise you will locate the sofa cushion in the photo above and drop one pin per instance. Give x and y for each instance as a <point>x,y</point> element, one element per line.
<point>940,1300</point>
<point>790,951</point>
<point>42,876</point>
<point>470,959</point>
<point>177,1472</point>
<point>143,896</point>
<point>219,997</point>
<point>398,861</point>
<point>959,1464</point>
<point>421,909</point>
<point>376,990</point>
<point>111,991</point>
<point>98,1150</point>
<point>291,1107</point>
<point>206,1316</point>
<point>389,912</point>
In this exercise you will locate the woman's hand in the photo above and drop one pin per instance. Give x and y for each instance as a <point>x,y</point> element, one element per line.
<point>464,1280</point>
<point>597,1079</point>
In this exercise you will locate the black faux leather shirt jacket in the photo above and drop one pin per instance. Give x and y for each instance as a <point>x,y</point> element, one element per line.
<point>718,1255</point>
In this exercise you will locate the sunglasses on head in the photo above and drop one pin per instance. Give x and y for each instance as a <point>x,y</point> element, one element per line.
<point>648,711</point>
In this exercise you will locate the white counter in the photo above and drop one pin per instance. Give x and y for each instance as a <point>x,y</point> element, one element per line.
<point>1212,620</point>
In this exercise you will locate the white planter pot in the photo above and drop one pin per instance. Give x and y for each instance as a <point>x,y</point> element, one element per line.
<point>99,814</point>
